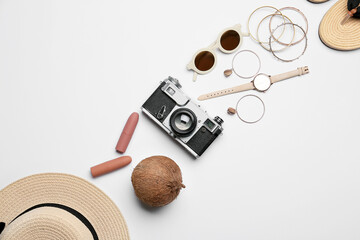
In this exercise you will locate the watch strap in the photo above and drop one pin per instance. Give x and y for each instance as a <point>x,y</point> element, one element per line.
<point>298,72</point>
<point>240,88</point>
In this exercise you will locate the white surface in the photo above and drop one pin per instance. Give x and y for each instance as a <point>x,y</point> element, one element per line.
<point>71,72</point>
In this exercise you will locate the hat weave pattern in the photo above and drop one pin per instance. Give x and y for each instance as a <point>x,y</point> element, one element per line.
<point>340,37</point>
<point>67,190</point>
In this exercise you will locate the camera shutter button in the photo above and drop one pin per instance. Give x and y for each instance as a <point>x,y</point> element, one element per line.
<point>175,81</point>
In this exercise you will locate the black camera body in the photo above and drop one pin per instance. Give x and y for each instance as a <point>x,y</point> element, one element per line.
<point>182,118</point>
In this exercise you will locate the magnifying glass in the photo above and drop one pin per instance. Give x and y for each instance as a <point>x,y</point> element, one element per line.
<point>260,83</point>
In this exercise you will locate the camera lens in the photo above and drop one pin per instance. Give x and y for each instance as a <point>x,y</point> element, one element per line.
<point>183,121</point>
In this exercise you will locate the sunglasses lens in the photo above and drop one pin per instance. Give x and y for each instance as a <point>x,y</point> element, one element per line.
<point>230,40</point>
<point>204,61</point>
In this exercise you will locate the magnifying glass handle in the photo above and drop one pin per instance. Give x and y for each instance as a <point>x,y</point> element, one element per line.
<point>298,72</point>
<point>227,91</point>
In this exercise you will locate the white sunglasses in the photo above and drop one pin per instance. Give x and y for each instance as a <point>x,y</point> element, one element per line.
<point>228,41</point>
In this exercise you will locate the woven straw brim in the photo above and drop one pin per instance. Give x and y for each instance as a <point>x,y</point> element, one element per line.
<point>318,1</point>
<point>66,190</point>
<point>337,36</point>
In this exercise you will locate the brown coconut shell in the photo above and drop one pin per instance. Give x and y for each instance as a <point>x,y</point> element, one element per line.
<point>157,181</point>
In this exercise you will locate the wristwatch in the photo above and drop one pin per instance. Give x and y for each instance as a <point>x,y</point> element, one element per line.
<point>261,83</point>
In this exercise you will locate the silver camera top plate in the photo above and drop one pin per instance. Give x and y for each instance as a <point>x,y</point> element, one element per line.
<point>175,93</point>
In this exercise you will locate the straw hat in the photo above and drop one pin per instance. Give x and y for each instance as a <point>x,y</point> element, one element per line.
<point>337,36</point>
<point>58,206</point>
<point>318,1</point>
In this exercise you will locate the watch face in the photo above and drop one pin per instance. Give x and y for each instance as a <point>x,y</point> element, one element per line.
<point>262,82</point>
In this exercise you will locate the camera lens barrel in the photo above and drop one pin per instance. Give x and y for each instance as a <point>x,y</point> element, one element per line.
<point>183,121</point>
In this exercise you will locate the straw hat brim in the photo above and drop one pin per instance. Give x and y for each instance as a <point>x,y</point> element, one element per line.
<point>340,37</point>
<point>67,190</point>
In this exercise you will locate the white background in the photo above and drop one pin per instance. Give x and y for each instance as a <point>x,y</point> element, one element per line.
<point>71,73</point>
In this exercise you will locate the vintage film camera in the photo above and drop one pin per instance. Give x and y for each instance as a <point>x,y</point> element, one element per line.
<point>182,118</point>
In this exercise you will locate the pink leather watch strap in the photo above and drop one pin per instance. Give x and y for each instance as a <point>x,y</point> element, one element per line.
<point>298,72</point>
<point>227,91</point>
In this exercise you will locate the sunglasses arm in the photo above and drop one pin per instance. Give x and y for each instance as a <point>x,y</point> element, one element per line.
<point>194,76</point>
<point>245,34</point>
<point>240,88</point>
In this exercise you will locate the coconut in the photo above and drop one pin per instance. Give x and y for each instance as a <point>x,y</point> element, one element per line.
<point>157,181</point>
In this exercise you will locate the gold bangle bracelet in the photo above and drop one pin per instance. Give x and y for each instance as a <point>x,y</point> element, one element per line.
<point>272,15</point>
<point>248,22</point>
<point>305,47</point>
<point>305,19</point>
